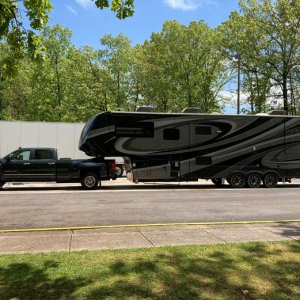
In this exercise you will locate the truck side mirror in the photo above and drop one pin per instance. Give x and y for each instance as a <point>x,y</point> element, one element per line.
<point>10,157</point>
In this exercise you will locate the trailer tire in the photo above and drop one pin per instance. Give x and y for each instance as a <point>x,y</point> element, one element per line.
<point>254,180</point>
<point>270,180</point>
<point>217,181</point>
<point>237,180</point>
<point>89,181</point>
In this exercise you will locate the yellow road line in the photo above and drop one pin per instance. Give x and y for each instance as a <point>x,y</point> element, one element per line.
<point>146,225</point>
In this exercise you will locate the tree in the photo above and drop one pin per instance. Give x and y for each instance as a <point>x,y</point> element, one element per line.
<point>122,8</point>
<point>266,35</point>
<point>12,29</point>
<point>19,38</point>
<point>116,58</point>
<point>88,90</point>
<point>184,66</point>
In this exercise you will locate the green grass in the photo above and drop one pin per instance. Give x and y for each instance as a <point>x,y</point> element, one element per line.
<point>229,271</point>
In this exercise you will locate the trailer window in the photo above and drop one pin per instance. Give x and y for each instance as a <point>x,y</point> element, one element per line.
<point>171,134</point>
<point>205,130</point>
<point>203,160</point>
<point>145,129</point>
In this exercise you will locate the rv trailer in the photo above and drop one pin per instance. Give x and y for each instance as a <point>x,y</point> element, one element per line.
<point>243,149</point>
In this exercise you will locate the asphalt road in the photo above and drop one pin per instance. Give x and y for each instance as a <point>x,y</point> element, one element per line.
<point>118,204</point>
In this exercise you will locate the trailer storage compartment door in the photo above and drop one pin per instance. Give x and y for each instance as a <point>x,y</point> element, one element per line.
<point>201,134</point>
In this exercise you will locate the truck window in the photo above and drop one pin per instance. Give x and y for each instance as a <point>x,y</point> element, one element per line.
<point>43,154</point>
<point>171,134</point>
<point>21,155</point>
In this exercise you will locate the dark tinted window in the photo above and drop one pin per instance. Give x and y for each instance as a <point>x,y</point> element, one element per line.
<point>142,129</point>
<point>203,130</point>
<point>43,154</point>
<point>203,160</point>
<point>171,134</point>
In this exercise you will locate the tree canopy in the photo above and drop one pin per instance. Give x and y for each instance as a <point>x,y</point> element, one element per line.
<point>180,66</point>
<point>20,39</point>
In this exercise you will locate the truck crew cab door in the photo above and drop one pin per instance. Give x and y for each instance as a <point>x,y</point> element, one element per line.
<point>43,164</point>
<point>31,165</point>
<point>17,164</point>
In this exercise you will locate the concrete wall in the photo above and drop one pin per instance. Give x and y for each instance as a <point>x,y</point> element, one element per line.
<point>63,136</point>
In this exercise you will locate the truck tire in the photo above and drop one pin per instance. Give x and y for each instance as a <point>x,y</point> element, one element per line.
<point>270,180</point>
<point>90,181</point>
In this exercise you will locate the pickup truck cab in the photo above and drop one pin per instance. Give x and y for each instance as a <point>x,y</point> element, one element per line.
<point>42,164</point>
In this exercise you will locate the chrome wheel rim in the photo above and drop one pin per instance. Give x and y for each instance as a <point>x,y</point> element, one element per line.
<point>254,181</point>
<point>118,171</point>
<point>271,180</point>
<point>237,181</point>
<point>90,181</point>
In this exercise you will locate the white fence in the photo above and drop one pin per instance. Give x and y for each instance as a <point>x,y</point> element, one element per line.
<point>63,136</point>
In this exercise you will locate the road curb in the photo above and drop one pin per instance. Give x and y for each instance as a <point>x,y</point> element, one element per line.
<point>149,225</point>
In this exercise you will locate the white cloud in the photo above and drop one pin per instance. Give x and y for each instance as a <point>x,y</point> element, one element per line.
<point>189,4</point>
<point>71,10</point>
<point>84,3</point>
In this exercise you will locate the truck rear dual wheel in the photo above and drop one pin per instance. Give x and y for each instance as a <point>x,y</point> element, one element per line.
<point>90,181</point>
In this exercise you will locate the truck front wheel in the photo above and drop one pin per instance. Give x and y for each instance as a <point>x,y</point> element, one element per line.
<point>90,181</point>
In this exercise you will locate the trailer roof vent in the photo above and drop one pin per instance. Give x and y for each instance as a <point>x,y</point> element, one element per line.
<point>277,113</point>
<point>191,110</point>
<point>145,108</point>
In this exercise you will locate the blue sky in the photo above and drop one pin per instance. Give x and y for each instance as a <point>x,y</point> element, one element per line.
<point>89,24</point>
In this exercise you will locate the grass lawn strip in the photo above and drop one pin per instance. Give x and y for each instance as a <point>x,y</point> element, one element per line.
<point>223,271</point>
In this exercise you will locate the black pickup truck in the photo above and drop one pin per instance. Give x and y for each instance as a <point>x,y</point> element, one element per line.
<point>42,164</point>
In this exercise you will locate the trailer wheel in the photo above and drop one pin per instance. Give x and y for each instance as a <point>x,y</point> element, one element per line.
<point>237,180</point>
<point>270,180</point>
<point>217,181</point>
<point>254,180</point>
<point>90,181</point>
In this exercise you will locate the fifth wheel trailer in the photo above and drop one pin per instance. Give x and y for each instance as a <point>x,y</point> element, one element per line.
<point>243,149</point>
